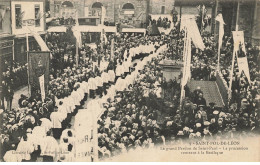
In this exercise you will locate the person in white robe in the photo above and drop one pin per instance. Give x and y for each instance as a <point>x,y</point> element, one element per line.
<point>92,87</point>
<point>25,148</point>
<point>12,156</point>
<point>112,76</point>
<point>50,149</point>
<point>56,119</point>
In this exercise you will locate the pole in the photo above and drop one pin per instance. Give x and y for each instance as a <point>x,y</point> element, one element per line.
<point>233,60</point>
<point>77,53</point>
<point>238,6</point>
<point>218,67</point>
<point>216,12</point>
<point>27,52</point>
<point>202,14</point>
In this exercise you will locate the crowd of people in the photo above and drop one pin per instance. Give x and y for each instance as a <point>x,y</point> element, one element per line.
<point>138,116</point>
<point>132,118</point>
<point>161,22</point>
<point>34,113</point>
<point>12,79</point>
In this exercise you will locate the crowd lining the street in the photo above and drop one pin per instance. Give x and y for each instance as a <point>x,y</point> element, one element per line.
<point>137,117</point>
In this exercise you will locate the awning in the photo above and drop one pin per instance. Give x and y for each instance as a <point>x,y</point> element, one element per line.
<point>108,29</point>
<point>157,16</point>
<point>58,29</point>
<point>134,30</point>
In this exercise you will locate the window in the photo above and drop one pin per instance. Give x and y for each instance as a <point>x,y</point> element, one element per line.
<point>2,14</point>
<point>18,17</point>
<point>129,6</point>
<point>37,15</point>
<point>163,10</point>
<point>56,10</point>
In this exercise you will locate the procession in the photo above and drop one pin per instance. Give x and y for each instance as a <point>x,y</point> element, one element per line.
<point>87,81</point>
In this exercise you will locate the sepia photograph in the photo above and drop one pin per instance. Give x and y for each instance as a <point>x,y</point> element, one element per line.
<point>129,81</point>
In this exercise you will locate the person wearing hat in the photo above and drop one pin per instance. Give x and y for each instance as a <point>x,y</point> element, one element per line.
<point>200,100</point>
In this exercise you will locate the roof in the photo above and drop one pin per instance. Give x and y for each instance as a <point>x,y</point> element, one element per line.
<point>57,29</point>
<point>86,28</point>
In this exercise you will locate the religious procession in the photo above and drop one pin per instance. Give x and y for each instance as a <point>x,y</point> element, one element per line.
<point>88,81</point>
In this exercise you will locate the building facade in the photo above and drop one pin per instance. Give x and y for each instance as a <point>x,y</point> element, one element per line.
<point>27,16</point>
<point>243,14</point>
<point>6,38</point>
<point>128,12</point>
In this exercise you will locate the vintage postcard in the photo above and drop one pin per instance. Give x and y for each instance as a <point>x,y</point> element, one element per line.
<point>129,80</point>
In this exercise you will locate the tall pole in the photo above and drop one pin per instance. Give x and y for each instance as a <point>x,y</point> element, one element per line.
<point>27,54</point>
<point>77,53</point>
<point>216,12</point>
<point>202,14</point>
<point>233,59</point>
<point>237,16</point>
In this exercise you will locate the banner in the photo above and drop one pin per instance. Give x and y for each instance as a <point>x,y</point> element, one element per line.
<point>42,87</point>
<point>190,24</point>
<point>238,37</point>
<point>219,18</point>
<point>240,51</point>
<point>243,66</point>
<point>38,65</point>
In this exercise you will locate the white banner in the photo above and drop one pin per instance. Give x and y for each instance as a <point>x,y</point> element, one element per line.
<point>191,25</point>
<point>238,37</point>
<point>219,18</point>
<point>243,66</point>
<point>42,88</point>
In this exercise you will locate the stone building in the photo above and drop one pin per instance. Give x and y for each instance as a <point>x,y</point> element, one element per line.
<point>128,12</point>
<point>6,38</point>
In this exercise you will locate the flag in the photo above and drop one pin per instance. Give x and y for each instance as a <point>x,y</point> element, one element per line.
<point>38,16</point>
<point>42,88</point>
<point>190,24</point>
<point>187,63</point>
<point>202,15</point>
<point>219,18</point>
<point>40,41</point>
